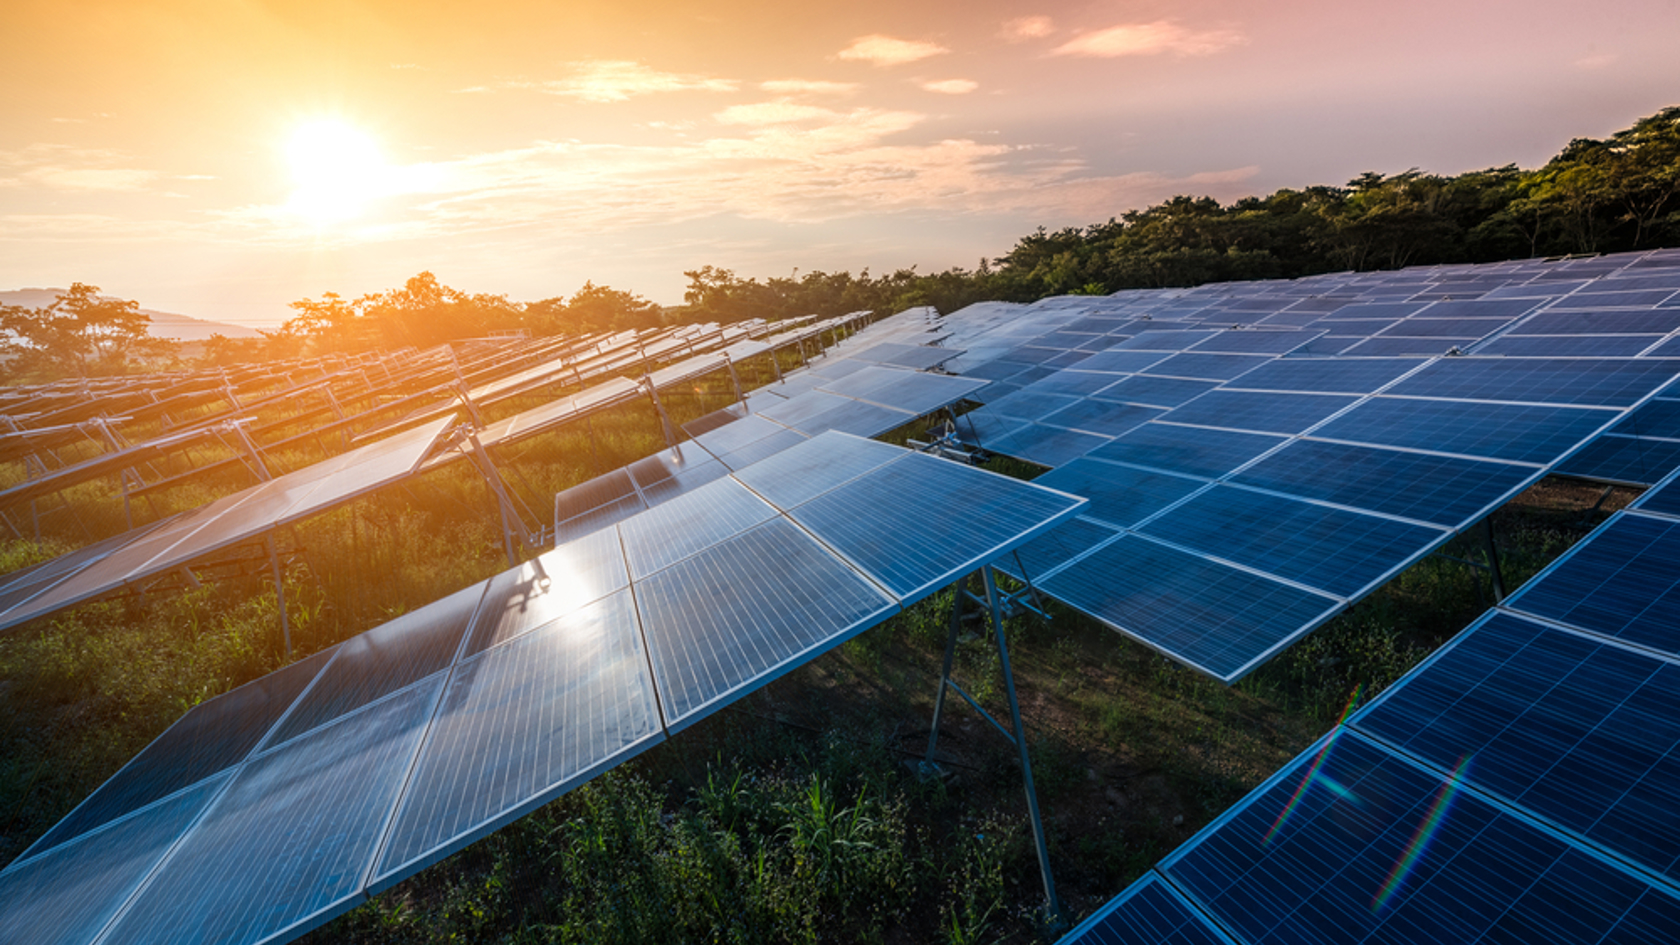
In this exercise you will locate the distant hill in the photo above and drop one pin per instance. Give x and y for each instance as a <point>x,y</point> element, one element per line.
<point>164,324</point>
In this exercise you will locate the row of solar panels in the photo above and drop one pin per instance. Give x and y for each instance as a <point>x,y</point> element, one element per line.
<point>1523,784</point>
<point>270,809</point>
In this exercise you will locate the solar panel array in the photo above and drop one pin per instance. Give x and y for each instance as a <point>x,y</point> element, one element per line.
<point>853,394</point>
<point>1523,783</point>
<point>1261,455</point>
<point>266,811</point>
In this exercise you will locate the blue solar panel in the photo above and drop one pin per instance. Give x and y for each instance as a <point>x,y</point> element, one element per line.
<point>1479,308</point>
<point>391,656</point>
<point>1665,499</point>
<point>1194,451</point>
<point>288,843</point>
<point>546,587</point>
<point>1120,495</point>
<point>1071,382</point>
<point>67,895</point>
<point>961,511</point>
<point>687,524</point>
<point>1634,298</point>
<point>1120,362</point>
<point>1581,733</point>
<point>1397,347</point>
<point>1045,445</point>
<point>1054,548</point>
<point>1604,382</point>
<point>1264,411</point>
<point>1212,367</point>
<point>1519,432</point>
<point>1164,340</point>
<point>1624,583</point>
<point>211,738</point>
<point>1256,342</point>
<point>1440,489</point>
<point>1151,912</point>
<point>1101,417</point>
<point>1658,417</point>
<point>1341,552</point>
<point>1564,346</point>
<point>723,621</point>
<point>1324,375</point>
<point>754,452</point>
<point>1422,327</point>
<point>1154,391</point>
<point>1626,459</point>
<point>522,724</point>
<point>1554,322</point>
<point>1029,403</point>
<point>802,473</point>
<point>1219,619</point>
<point>1352,843</point>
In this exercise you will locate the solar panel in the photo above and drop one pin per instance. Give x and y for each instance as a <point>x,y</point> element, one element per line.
<point>796,476</point>
<point>1623,459</point>
<point>370,666</point>
<point>1212,367</point>
<point>1222,620</point>
<point>1045,445</point>
<point>1517,432</point>
<point>1601,346</point>
<point>67,895</point>
<point>1256,342</point>
<point>1150,911</point>
<point>1663,500</point>
<point>1624,583</point>
<point>1353,843</point>
<point>1315,375</point>
<point>746,609</point>
<point>1072,538</point>
<point>1119,495</point>
<point>1341,552</point>
<point>1579,732</point>
<point>1115,361</point>
<point>955,513</point>
<point>1262,411</point>
<point>1554,322</point>
<point>660,536</point>
<point>1603,382</point>
<point>1154,391</point>
<point>292,835</point>
<point>1659,417</point>
<point>211,738</point>
<point>547,587</point>
<point>1444,490</point>
<point>1194,451</point>
<point>1102,418</point>
<point>522,724</point>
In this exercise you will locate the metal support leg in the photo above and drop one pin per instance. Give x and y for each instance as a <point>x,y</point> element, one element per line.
<point>1053,904</point>
<point>1493,561</point>
<point>504,504</point>
<point>664,420</point>
<point>279,593</point>
<point>735,378</point>
<point>945,669</point>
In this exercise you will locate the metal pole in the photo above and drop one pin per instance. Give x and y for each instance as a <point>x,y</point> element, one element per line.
<point>1493,561</point>
<point>945,670</point>
<point>279,593</point>
<point>493,479</point>
<point>1052,903</point>
<point>735,379</point>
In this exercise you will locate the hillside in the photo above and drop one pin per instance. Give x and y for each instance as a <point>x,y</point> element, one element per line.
<point>164,324</point>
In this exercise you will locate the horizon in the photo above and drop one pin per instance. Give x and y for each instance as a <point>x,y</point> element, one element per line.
<point>222,165</point>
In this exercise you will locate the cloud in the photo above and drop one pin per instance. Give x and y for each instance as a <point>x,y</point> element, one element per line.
<point>952,86</point>
<point>808,87</point>
<point>1028,27</point>
<point>615,80</point>
<point>772,113</point>
<point>887,51</point>
<point>1593,63</point>
<point>1149,39</point>
<point>59,167</point>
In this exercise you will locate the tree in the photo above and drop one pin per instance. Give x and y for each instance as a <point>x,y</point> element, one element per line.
<point>80,334</point>
<point>602,308</point>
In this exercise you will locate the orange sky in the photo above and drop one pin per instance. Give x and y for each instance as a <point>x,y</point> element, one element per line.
<point>523,148</point>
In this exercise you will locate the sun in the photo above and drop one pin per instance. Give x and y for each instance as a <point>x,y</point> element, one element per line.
<point>336,169</point>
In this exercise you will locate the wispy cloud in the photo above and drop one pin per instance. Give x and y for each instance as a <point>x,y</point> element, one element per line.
<point>808,87</point>
<point>615,80</point>
<point>773,113</point>
<point>1028,27</point>
<point>1149,39</point>
<point>1594,63</point>
<point>952,86</point>
<point>887,51</point>
<point>60,167</point>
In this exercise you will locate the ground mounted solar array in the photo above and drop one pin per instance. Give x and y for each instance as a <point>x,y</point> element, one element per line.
<point>268,810</point>
<point>1521,784</point>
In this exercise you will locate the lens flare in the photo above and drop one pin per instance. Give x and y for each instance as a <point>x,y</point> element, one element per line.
<point>1421,837</point>
<point>1313,777</point>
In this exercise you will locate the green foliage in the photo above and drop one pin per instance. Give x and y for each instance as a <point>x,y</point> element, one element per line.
<point>80,334</point>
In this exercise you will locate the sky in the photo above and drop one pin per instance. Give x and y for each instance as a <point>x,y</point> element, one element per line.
<point>223,158</point>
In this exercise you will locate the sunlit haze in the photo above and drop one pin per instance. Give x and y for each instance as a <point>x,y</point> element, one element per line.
<point>223,159</point>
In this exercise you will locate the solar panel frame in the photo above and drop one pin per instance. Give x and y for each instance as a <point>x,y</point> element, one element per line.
<point>1151,910</point>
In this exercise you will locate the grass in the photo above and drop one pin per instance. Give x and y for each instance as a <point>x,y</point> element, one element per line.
<point>788,816</point>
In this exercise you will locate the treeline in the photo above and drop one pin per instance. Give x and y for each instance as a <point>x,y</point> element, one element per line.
<point>1618,194</point>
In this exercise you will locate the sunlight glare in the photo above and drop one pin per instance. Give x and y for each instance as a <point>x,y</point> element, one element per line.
<point>336,168</point>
